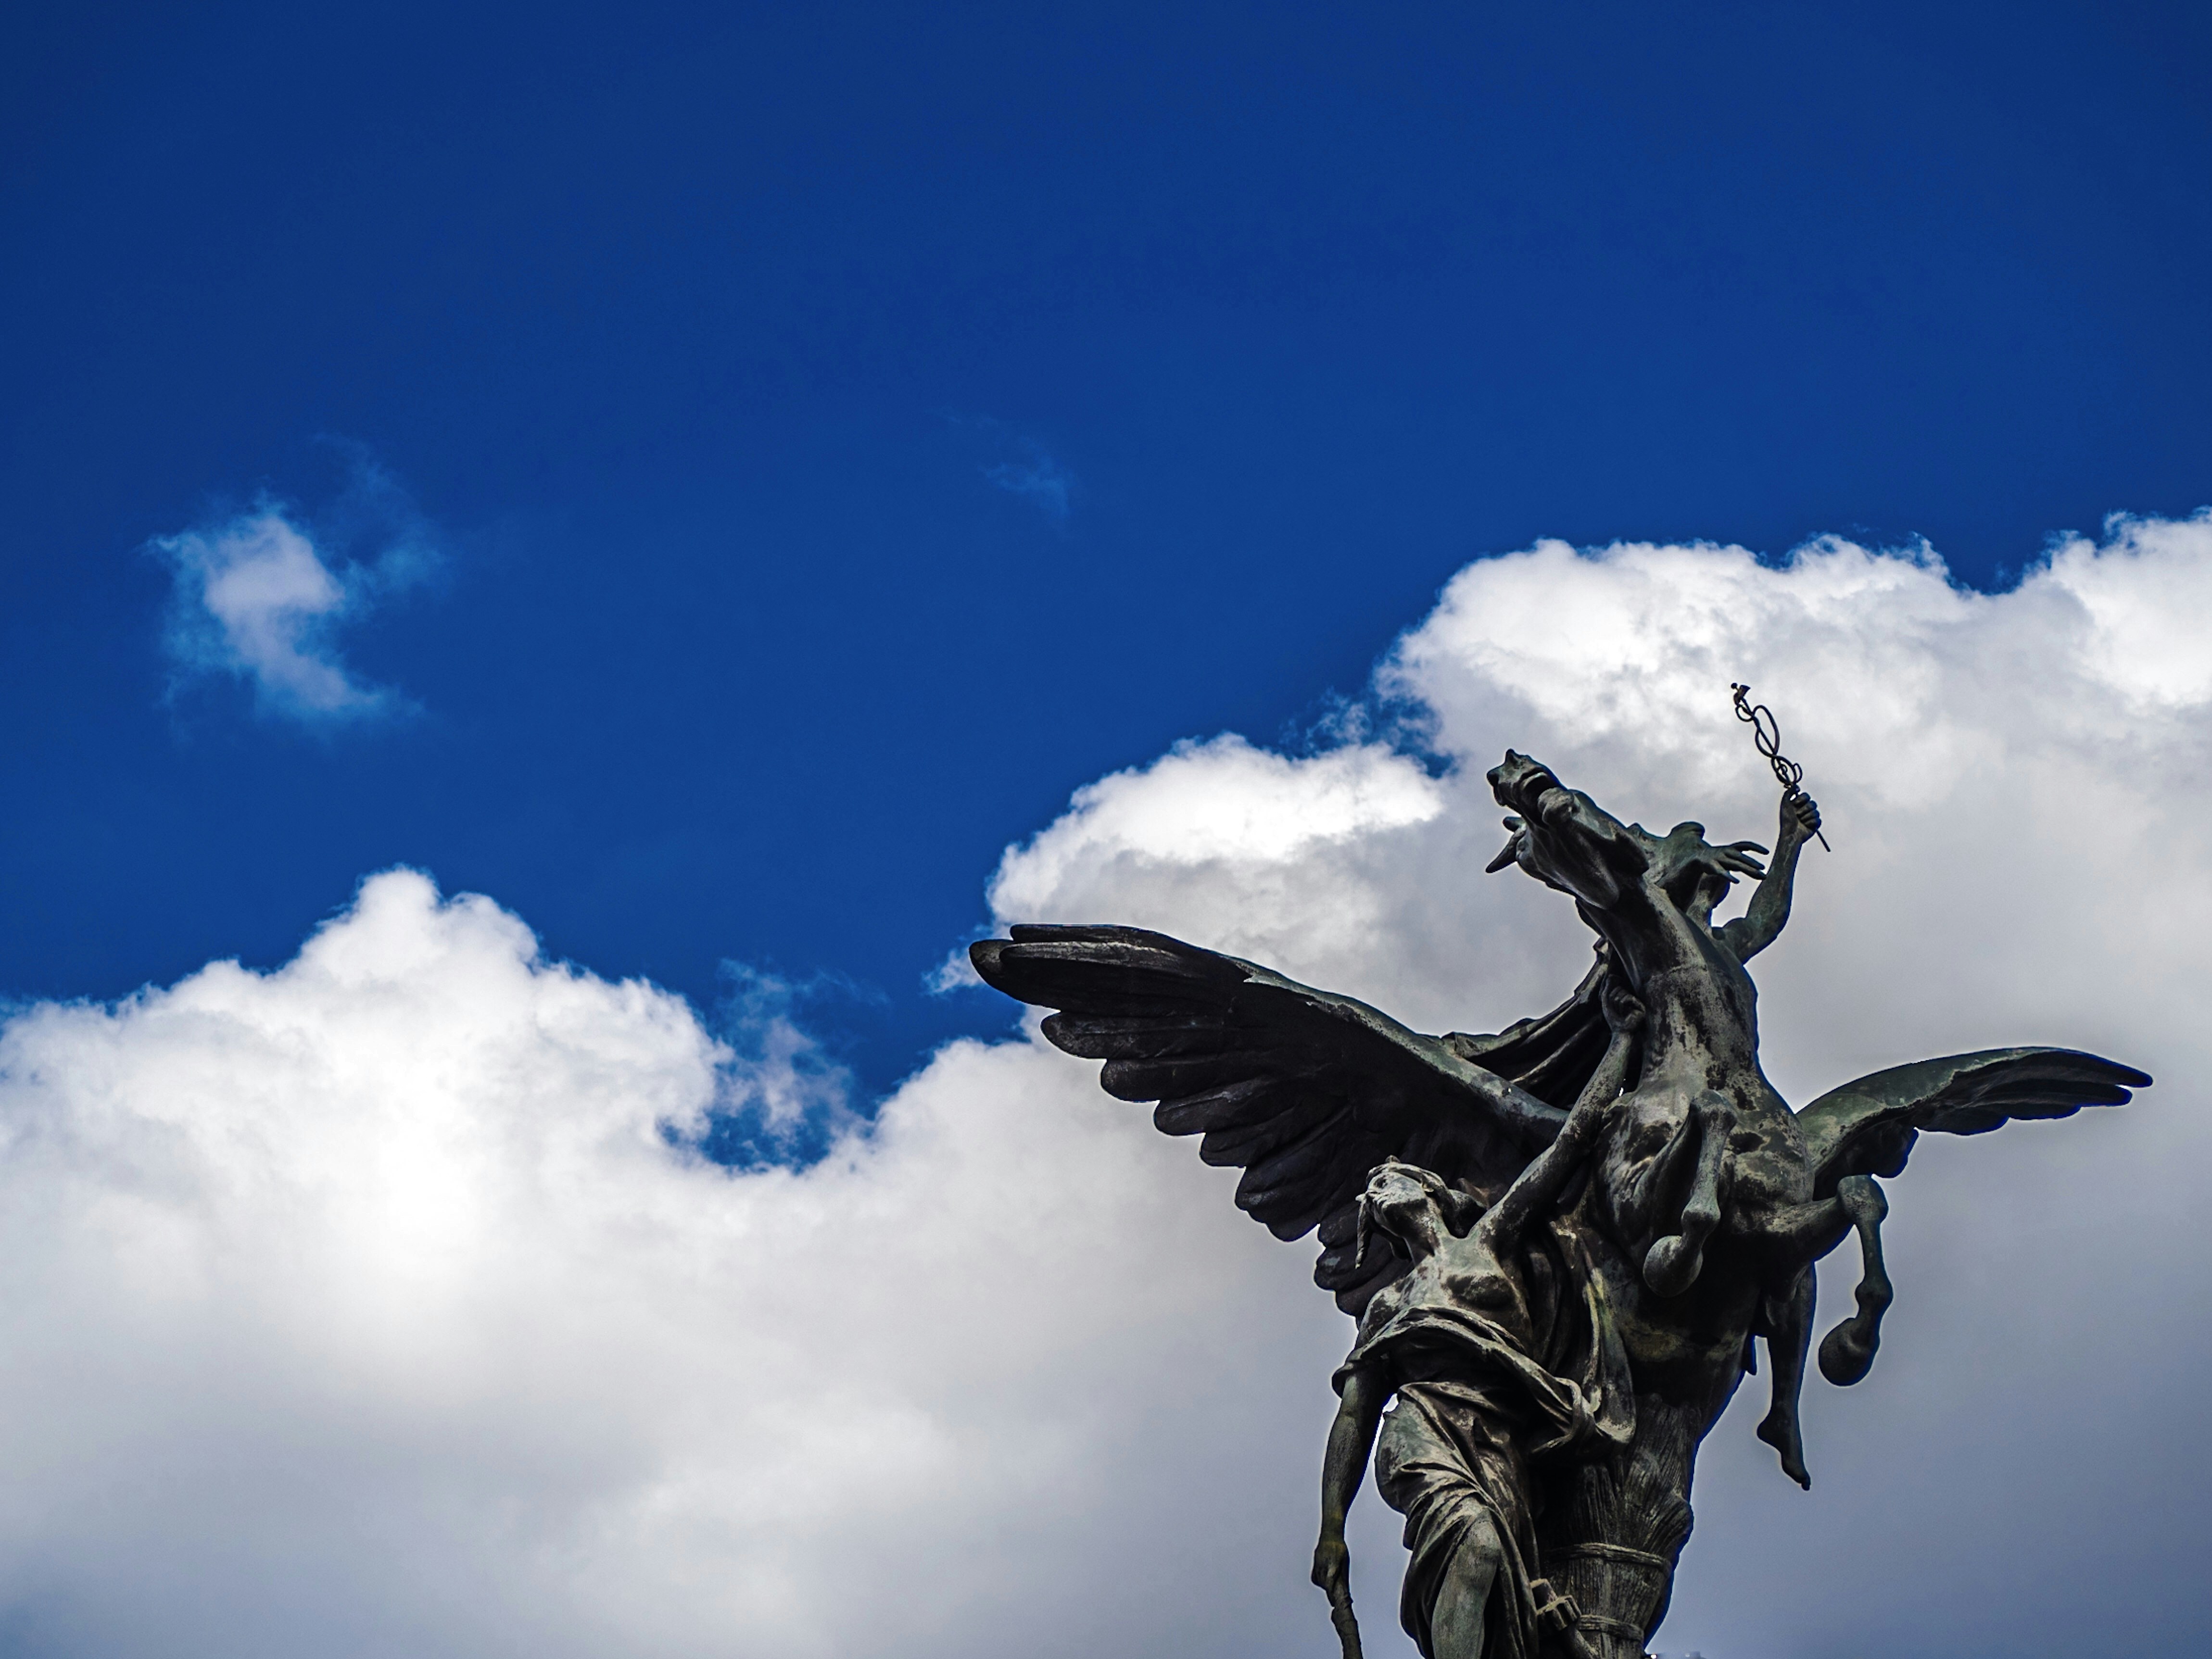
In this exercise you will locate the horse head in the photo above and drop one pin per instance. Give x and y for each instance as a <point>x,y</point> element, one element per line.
<point>1567,842</point>
<point>1562,838</point>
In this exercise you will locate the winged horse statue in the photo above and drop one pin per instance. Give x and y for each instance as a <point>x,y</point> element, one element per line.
<point>1562,1241</point>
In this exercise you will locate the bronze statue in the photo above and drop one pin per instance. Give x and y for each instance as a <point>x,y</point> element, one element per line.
<point>1561,1301</point>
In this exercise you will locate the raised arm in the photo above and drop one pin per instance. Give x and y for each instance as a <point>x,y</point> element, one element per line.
<point>1351,1437</point>
<point>1762,923</point>
<point>1534,1189</point>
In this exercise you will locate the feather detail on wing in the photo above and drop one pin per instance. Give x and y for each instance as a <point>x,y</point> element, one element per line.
<point>1304,1089</point>
<point>1869,1126</point>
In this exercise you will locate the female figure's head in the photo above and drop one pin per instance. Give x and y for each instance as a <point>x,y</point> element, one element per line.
<point>1412,1209</point>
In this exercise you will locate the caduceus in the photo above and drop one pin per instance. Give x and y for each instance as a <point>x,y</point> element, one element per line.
<point>1766,737</point>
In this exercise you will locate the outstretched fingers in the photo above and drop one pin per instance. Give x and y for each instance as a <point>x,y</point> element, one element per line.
<point>1736,857</point>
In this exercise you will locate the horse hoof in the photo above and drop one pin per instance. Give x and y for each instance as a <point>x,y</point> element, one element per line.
<point>1847,1351</point>
<point>1672,1265</point>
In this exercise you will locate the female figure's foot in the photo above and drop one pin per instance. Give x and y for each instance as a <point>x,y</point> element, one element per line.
<point>1779,1430</point>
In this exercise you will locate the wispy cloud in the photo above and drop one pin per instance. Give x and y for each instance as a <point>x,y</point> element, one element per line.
<point>256,599</point>
<point>1019,464</point>
<point>1038,479</point>
<point>955,972</point>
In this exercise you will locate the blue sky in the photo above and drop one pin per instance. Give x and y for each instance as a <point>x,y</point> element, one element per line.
<point>843,431</point>
<point>710,480</point>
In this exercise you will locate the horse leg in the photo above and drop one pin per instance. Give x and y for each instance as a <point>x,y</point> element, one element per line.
<point>1847,1351</point>
<point>1791,1236</point>
<point>1639,1196</point>
<point>1672,1265</point>
<point>1786,1322</point>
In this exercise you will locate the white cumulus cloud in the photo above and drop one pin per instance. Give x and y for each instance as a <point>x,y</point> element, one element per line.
<point>376,1304</point>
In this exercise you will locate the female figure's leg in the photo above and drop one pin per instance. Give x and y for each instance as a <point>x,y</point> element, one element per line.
<point>1455,1632</point>
<point>1450,1463</point>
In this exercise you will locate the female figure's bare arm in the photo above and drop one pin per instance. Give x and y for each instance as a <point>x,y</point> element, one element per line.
<point>1351,1438</point>
<point>1762,923</point>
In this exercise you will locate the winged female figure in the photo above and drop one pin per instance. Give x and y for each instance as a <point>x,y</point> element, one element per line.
<point>1694,1213</point>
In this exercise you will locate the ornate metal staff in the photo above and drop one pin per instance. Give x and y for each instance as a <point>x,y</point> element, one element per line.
<point>1767,736</point>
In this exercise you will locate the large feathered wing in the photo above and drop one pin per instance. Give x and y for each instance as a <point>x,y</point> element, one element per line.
<point>1869,1126</point>
<point>1304,1089</point>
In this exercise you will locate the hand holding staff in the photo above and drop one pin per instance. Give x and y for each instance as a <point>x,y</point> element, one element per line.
<point>1766,736</point>
<point>1331,1570</point>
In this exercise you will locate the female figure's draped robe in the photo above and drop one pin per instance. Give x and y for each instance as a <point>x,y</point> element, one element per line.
<point>1493,1365</point>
